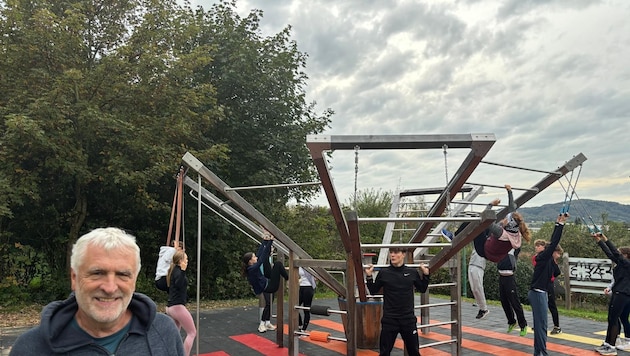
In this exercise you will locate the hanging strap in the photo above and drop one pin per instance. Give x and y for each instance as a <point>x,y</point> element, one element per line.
<point>176,210</point>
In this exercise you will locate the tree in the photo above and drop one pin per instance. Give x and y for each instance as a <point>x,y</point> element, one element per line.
<point>98,103</point>
<point>260,83</point>
<point>371,203</point>
<point>100,100</point>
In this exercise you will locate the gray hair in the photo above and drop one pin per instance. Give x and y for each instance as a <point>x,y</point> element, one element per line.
<point>108,238</point>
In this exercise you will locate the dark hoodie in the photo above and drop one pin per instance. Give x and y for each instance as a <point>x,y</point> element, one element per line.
<point>150,333</point>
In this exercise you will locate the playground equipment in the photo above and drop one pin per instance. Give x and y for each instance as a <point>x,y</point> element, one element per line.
<point>361,320</point>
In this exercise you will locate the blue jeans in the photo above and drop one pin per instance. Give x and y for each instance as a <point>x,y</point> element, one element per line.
<point>538,301</point>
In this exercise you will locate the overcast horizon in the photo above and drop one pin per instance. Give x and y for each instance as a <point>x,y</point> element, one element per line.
<point>549,79</point>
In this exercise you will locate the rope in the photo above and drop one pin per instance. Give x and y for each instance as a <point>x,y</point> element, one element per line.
<point>583,208</point>
<point>177,209</point>
<point>567,205</point>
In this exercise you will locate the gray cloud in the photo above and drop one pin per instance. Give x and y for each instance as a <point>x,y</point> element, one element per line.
<point>549,78</point>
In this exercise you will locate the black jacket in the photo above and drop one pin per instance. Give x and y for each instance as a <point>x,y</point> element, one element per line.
<point>544,269</point>
<point>178,290</point>
<point>621,272</point>
<point>398,287</point>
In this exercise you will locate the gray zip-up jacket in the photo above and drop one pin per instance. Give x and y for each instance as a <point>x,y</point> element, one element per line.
<point>150,333</point>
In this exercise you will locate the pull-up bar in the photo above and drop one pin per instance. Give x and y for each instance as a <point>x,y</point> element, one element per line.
<point>471,203</point>
<point>502,186</point>
<point>429,244</point>
<point>525,169</point>
<point>422,219</point>
<point>284,185</point>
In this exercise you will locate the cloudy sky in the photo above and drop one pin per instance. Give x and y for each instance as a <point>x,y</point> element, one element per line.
<point>550,79</point>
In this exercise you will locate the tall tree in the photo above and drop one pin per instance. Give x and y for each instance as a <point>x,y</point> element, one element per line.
<point>98,102</point>
<point>261,84</point>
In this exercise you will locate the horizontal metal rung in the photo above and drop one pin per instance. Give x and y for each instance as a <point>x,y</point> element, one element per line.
<point>463,202</point>
<point>522,168</point>
<point>418,245</point>
<point>437,324</point>
<point>437,219</point>
<point>434,305</point>
<point>383,266</point>
<point>436,343</point>
<point>437,285</point>
<point>501,186</point>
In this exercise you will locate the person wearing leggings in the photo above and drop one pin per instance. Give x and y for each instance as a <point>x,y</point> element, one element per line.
<point>620,295</point>
<point>307,291</point>
<point>177,298</point>
<point>264,278</point>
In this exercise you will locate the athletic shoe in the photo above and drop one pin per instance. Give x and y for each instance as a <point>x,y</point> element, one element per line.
<point>556,330</point>
<point>511,327</point>
<point>447,234</point>
<point>601,347</point>
<point>523,331</point>
<point>262,328</point>
<point>607,350</point>
<point>622,344</point>
<point>482,314</point>
<point>270,327</point>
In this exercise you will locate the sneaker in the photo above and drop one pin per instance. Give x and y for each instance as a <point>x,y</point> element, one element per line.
<point>447,234</point>
<point>607,350</point>
<point>262,328</point>
<point>270,327</point>
<point>556,330</point>
<point>623,344</point>
<point>482,314</point>
<point>511,327</point>
<point>601,347</point>
<point>523,331</point>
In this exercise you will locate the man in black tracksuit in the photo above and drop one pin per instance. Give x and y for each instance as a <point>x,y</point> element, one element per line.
<point>398,282</point>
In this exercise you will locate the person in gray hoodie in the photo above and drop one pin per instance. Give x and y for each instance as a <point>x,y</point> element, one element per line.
<point>104,315</point>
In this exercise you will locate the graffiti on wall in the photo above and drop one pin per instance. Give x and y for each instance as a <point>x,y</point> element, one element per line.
<point>590,269</point>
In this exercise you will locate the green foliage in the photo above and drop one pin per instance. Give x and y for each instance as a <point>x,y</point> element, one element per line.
<point>371,203</point>
<point>99,103</point>
<point>313,228</point>
<point>25,275</point>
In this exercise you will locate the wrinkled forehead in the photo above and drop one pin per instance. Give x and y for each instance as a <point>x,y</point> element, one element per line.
<point>120,257</point>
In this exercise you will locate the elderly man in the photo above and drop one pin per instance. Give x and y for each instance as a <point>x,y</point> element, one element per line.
<point>103,316</point>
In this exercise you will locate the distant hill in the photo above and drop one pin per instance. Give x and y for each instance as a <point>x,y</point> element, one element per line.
<point>583,207</point>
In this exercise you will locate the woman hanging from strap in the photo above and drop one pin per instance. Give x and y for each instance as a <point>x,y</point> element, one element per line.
<point>167,251</point>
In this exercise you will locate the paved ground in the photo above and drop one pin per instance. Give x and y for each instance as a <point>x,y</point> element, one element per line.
<point>232,332</point>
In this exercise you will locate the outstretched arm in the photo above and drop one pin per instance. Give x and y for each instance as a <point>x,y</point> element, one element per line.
<point>511,203</point>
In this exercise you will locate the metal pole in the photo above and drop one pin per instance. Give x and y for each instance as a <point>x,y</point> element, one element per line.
<point>501,186</point>
<point>198,258</point>
<point>437,219</point>
<point>283,185</point>
<point>525,169</point>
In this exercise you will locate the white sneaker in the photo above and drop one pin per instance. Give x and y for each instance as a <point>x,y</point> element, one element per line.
<point>270,327</point>
<point>623,345</point>
<point>262,328</point>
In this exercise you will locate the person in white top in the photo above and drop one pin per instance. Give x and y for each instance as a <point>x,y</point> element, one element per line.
<point>476,271</point>
<point>164,263</point>
<point>307,291</point>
